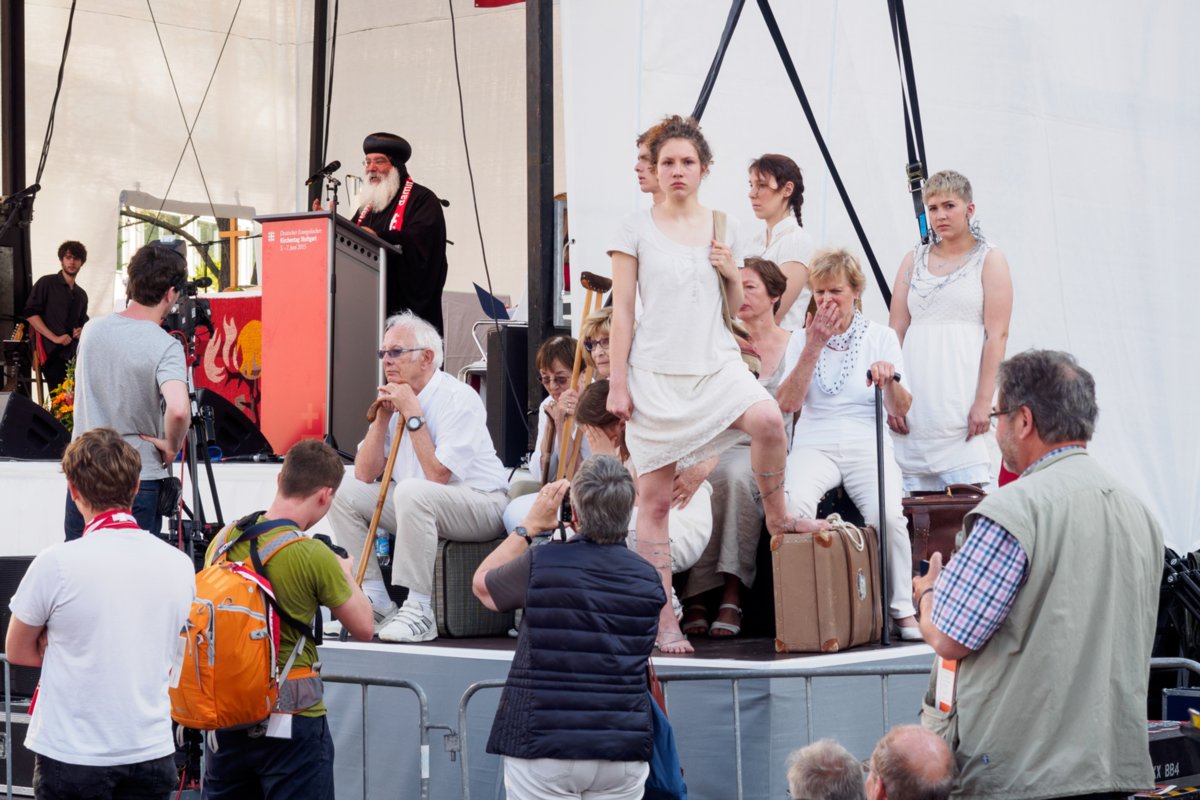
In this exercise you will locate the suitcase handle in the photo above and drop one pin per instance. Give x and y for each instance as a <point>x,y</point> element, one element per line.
<point>850,531</point>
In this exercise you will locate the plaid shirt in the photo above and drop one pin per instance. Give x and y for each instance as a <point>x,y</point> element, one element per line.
<point>977,589</point>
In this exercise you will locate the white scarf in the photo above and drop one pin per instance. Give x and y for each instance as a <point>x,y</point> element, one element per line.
<point>849,343</point>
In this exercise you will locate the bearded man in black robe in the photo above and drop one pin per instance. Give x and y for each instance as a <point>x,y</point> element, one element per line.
<point>404,213</point>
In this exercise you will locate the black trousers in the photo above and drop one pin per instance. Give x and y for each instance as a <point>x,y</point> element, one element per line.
<point>146,780</point>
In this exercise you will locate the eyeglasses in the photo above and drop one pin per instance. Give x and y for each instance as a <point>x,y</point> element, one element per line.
<point>376,162</point>
<point>555,380</point>
<point>591,344</point>
<point>1000,412</point>
<point>395,352</point>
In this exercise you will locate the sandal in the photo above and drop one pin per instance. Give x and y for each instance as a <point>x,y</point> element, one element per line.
<point>727,629</point>
<point>697,626</point>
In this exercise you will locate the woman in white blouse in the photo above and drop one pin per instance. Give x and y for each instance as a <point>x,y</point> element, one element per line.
<point>776,195</point>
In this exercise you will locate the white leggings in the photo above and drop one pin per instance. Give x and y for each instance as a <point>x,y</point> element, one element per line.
<point>812,471</point>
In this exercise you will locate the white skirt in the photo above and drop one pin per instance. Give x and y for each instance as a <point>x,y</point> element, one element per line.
<point>685,418</point>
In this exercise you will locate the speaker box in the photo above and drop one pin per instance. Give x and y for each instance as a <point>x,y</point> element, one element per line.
<point>507,379</point>
<point>234,432</point>
<point>12,570</point>
<point>28,431</point>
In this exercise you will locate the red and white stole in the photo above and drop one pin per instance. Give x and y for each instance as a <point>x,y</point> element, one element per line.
<point>398,217</point>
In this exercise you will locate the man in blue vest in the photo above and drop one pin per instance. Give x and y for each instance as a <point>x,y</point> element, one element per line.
<point>1044,620</point>
<point>591,615</point>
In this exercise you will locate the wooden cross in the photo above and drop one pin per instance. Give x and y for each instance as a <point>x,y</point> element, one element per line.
<point>233,234</point>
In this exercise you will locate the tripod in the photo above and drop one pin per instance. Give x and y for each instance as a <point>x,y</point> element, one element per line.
<point>190,529</point>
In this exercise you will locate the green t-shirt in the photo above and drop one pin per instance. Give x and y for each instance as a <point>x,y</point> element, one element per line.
<point>304,575</point>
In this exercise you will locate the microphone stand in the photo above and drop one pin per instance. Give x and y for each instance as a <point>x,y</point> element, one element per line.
<point>331,192</point>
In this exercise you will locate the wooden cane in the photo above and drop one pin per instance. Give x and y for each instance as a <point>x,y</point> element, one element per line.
<point>596,286</point>
<point>383,491</point>
<point>37,368</point>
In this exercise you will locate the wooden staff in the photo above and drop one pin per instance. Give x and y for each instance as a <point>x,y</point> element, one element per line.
<point>596,286</point>
<point>577,441</point>
<point>383,490</point>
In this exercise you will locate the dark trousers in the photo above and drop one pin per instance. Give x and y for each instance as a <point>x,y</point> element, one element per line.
<point>146,780</point>
<point>245,767</point>
<point>54,371</point>
<point>1098,796</point>
<point>145,511</point>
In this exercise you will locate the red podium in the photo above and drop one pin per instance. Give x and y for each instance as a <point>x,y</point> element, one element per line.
<point>322,319</point>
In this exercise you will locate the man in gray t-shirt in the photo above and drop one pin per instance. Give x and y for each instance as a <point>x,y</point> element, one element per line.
<point>130,376</point>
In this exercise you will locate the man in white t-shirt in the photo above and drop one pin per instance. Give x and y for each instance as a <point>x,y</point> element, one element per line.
<point>101,616</point>
<point>448,480</point>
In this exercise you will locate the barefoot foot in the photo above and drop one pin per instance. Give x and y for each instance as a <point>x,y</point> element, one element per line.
<point>670,639</point>
<point>793,524</point>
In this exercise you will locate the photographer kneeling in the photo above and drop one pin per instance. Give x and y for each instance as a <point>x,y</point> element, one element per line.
<point>574,717</point>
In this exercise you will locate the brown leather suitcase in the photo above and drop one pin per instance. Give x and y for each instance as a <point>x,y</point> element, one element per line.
<point>827,589</point>
<point>935,519</point>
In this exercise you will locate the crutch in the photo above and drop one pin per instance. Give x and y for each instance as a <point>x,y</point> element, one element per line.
<point>885,637</point>
<point>383,490</point>
<point>596,286</point>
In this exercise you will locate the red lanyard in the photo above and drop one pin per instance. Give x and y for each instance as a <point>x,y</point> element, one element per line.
<point>113,519</point>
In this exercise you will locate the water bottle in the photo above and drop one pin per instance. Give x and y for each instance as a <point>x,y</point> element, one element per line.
<point>383,548</point>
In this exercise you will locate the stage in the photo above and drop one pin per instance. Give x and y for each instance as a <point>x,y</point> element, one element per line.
<point>774,710</point>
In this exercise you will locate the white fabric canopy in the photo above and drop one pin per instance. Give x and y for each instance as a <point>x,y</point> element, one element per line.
<point>1076,122</point>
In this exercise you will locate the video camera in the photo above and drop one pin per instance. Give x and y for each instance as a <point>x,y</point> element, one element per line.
<point>190,313</point>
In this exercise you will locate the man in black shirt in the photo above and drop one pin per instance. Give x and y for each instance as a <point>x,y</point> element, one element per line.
<point>57,309</point>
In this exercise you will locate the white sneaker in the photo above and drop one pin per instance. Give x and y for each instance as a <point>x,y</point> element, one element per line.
<point>412,623</point>
<point>382,617</point>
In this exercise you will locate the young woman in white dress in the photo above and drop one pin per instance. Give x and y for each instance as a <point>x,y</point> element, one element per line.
<point>951,305</point>
<point>680,382</point>
<point>776,195</point>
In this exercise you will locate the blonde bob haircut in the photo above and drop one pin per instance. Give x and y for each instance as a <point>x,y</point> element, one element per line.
<point>831,266</point>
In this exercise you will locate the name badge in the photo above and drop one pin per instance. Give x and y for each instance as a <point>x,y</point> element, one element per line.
<point>279,726</point>
<point>947,678</point>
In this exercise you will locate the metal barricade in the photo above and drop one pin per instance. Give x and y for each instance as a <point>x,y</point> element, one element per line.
<point>423,724</point>
<point>735,677</point>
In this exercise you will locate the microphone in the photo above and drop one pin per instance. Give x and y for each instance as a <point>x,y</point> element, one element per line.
<point>328,169</point>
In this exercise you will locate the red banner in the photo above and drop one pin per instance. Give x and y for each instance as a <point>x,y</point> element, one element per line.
<point>229,361</point>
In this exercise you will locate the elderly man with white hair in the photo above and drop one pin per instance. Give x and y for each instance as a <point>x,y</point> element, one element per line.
<point>447,479</point>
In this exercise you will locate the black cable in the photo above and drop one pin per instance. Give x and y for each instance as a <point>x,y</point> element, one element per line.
<point>462,116</point>
<point>57,90</point>
<point>183,114</point>
<point>710,80</point>
<point>914,138</point>
<point>777,36</point>
<point>329,84</point>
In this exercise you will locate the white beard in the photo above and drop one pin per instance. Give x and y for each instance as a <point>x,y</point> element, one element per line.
<point>377,195</point>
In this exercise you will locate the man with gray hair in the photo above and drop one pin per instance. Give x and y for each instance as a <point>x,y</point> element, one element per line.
<point>447,479</point>
<point>1049,604</point>
<point>910,763</point>
<point>574,719</point>
<point>824,770</point>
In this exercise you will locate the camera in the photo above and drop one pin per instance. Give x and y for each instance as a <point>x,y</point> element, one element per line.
<point>190,313</point>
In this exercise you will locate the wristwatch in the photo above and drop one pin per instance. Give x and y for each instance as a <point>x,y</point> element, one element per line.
<point>523,533</point>
<point>415,424</point>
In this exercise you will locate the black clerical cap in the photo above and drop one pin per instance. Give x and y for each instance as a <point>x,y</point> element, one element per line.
<point>390,145</point>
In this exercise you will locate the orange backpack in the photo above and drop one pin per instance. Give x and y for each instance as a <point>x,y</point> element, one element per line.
<point>230,677</point>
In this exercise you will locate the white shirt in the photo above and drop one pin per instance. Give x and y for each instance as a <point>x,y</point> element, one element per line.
<point>456,420</point>
<point>789,242</point>
<point>848,416</point>
<point>681,330</point>
<point>113,604</point>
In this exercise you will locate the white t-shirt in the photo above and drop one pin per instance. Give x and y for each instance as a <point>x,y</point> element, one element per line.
<point>456,419</point>
<point>849,415</point>
<point>789,242</point>
<point>681,330</point>
<point>113,604</point>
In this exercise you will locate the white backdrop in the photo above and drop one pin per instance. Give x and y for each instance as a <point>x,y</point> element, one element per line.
<point>1076,122</point>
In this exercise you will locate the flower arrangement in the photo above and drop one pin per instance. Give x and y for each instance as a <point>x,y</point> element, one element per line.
<point>62,399</point>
